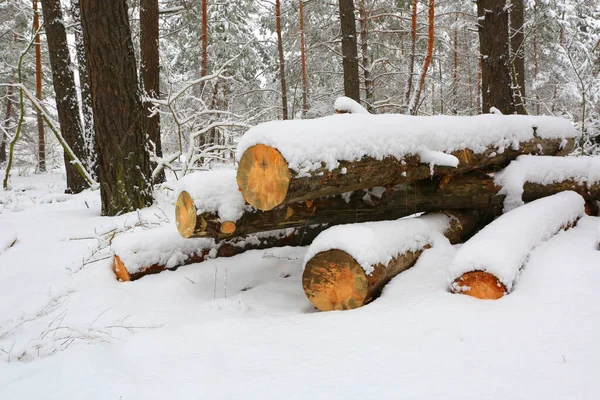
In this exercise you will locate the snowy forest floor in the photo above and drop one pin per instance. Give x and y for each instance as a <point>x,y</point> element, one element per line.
<point>242,328</point>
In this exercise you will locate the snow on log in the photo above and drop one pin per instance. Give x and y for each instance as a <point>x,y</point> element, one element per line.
<point>487,265</point>
<point>145,252</point>
<point>347,266</point>
<point>205,198</point>
<point>282,162</point>
<point>470,191</point>
<point>532,177</point>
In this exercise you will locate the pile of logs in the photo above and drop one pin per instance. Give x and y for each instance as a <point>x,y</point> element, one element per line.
<point>269,196</point>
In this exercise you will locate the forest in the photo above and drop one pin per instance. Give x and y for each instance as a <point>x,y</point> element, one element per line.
<point>299,199</point>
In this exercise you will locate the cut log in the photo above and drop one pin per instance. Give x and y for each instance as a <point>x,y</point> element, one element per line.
<point>488,264</point>
<point>348,266</point>
<point>474,191</point>
<point>470,191</point>
<point>142,253</point>
<point>287,162</point>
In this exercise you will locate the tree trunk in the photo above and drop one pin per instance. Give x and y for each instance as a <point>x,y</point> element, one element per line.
<point>149,73</point>
<point>63,80</point>
<point>297,237</point>
<point>411,63</point>
<point>266,181</point>
<point>535,56</point>
<point>124,164</point>
<point>6,122</point>
<point>495,52</point>
<point>334,280</point>
<point>284,106</point>
<point>91,149</point>
<point>364,48</point>
<point>455,72</point>
<point>349,50</point>
<point>303,59</point>
<point>474,191</point>
<point>517,36</point>
<point>38,90</point>
<point>204,65</point>
<point>414,104</point>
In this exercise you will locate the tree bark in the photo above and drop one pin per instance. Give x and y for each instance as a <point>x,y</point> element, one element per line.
<point>411,63</point>
<point>517,38</point>
<point>414,104</point>
<point>364,48</point>
<point>471,191</point>
<point>284,106</point>
<point>266,181</point>
<point>124,165</point>
<point>303,59</point>
<point>297,237</point>
<point>91,149</point>
<point>150,74</point>
<point>63,81</point>
<point>6,122</point>
<point>494,47</point>
<point>334,280</point>
<point>38,90</point>
<point>349,50</point>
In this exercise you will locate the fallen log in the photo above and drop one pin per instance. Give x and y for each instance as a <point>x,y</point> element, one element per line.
<point>487,265</point>
<point>474,191</point>
<point>283,162</point>
<point>347,266</point>
<point>141,253</point>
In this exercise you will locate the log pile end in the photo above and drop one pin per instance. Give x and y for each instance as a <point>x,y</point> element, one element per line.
<point>479,284</point>
<point>185,215</point>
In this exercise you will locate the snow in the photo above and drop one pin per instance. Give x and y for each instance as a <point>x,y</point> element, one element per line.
<point>306,144</point>
<point>375,243</point>
<point>242,328</point>
<point>215,192</point>
<point>346,104</point>
<point>502,247</point>
<point>544,170</point>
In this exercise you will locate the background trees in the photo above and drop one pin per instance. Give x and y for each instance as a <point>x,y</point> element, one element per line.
<point>216,67</point>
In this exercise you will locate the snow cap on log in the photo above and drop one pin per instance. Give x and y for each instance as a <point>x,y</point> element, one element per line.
<point>345,105</point>
<point>581,171</point>
<point>306,144</point>
<point>501,248</point>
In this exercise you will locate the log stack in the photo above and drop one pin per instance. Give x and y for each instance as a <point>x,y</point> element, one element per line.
<point>360,168</point>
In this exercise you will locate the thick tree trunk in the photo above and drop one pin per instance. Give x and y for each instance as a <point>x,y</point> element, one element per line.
<point>349,50</point>
<point>494,47</point>
<point>63,80</point>
<point>124,165</point>
<point>297,237</point>
<point>91,149</point>
<point>266,181</point>
<point>303,59</point>
<point>475,191</point>
<point>149,72</point>
<point>535,56</point>
<point>284,106</point>
<point>414,103</point>
<point>38,90</point>
<point>517,37</point>
<point>334,280</point>
<point>204,65</point>
<point>364,48</point>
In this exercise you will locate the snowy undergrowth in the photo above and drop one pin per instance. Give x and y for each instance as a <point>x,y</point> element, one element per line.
<point>243,328</point>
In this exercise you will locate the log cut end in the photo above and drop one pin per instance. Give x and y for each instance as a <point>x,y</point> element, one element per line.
<point>120,271</point>
<point>479,284</point>
<point>263,177</point>
<point>333,280</point>
<point>228,228</point>
<point>185,215</point>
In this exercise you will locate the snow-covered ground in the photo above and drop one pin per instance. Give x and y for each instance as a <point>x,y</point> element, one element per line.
<point>242,328</point>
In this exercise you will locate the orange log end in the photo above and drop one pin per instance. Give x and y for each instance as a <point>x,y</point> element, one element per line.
<point>120,270</point>
<point>479,284</point>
